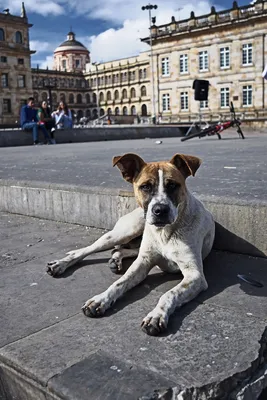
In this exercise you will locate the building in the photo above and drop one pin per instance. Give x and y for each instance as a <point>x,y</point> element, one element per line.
<point>227,48</point>
<point>15,65</point>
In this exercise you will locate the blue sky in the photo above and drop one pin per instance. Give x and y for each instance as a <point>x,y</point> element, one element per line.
<point>111,29</point>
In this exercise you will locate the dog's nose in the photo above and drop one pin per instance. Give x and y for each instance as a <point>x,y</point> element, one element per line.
<point>160,210</point>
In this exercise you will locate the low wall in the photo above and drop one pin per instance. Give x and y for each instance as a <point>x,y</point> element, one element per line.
<point>94,134</point>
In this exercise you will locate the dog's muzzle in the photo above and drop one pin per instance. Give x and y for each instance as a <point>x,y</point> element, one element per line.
<point>161,214</point>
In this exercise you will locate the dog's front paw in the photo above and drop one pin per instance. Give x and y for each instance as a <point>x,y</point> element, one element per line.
<point>154,323</point>
<point>56,268</point>
<point>96,306</point>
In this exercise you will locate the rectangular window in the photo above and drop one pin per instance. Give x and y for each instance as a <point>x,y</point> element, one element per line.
<point>77,63</point>
<point>224,57</point>
<point>204,104</point>
<point>247,54</point>
<point>183,63</point>
<point>247,95</point>
<point>165,66</point>
<point>184,101</point>
<point>21,81</point>
<point>6,106</point>
<point>64,64</point>
<point>3,59</point>
<point>225,92</point>
<point>166,102</point>
<point>21,61</point>
<point>4,80</point>
<point>203,60</point>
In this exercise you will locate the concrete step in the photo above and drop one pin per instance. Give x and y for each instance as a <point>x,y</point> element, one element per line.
<point>215,346</point>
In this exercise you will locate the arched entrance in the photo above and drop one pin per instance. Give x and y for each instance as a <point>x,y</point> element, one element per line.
<point>144,110</point>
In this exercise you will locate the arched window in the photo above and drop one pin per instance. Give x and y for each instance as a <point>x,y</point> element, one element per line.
<point>133,110</point>
<point>133,93</point>
<point>144,73</point>
<point>88,113</point>
<point>79,99</point>
<point>117,111</point>
<point>36,97</point>
<point>44,96</point>
<point>144,110</point>
<point>54,98</point>
<point>88,100</point>
<point>2,35</point>
<point>143,91</point>
<point>116,95</point>
<point>109,111</point>
<point>62,97</point>
<point>109,95</point>
<point>71,98</point>
<point>94,98</point>
<point>101,96</point>
<point>124,94</point>
<point>79,115</point>
<point>125,111</point>
<point>102,112</point>
<point>95,115</point>
<point>140,73</point>
<point>18,37</point>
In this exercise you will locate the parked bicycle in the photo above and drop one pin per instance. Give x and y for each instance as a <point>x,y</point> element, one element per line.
<point>216,129</point>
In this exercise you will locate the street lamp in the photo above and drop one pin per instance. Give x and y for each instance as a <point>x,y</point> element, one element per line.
<point>47,83</point>
<point>97,94</point>
<point>150,7</point>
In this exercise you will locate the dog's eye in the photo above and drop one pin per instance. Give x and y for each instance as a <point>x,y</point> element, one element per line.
<point>146,187</point>
<point>172,186</point>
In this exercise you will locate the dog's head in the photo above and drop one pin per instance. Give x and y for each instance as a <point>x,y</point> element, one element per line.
<point>159,187</point>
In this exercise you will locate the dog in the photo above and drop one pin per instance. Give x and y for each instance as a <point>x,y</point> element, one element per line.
<point>177,235</point>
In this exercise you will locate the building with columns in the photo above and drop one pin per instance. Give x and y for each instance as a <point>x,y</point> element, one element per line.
<point>228,48</point>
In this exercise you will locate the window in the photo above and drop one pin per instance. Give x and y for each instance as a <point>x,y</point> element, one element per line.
<point>225,97</point>
<point>183,63</point>
<point>77,63</point>
<point>144,73</point>
<point>247,95</point>
<point>184,101</point>
<point>124,77</point>
<point>140,74</point>
<point>109,95</point>
<point>133,110</point>
<point>124,94</point>
<point>166,102</point>
<point>4,80</point>
<point>116,95</point>
<point>2,35</point>
<point>224,57</point>
<point>204,104</point>
<point>87,98</point>
<point>3,59</point>
<point>143,91</point>
<point>6,106</point>
<point>133,93</point>
<point>203,61</point>
<point>18,37</point>
<point>71,98</point>
<point>117,111</point>
<point>247,54</point>
<point>125,111</point>
<point>21,61</point>
<point>94,98</point>
<point>79,99</point>
<point>101,96</point>
<point>21,81</point>
<point>132,75</point>
<point>165,66</point>
<point>64,64</point>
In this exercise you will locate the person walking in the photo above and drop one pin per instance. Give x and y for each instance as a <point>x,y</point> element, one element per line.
<point>29,121</point>
<point>63,116</point>
<point>44,115</point>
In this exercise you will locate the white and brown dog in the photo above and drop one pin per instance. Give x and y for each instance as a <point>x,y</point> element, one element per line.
<point>178,233</point>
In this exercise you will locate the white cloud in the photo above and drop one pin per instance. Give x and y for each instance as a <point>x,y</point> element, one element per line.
<point>35,6</point>
<point>43,64</point>
<point>41,47</point>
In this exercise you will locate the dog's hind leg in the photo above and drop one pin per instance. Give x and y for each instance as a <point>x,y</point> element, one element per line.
<point>127,228</point>
<point>116,263</point>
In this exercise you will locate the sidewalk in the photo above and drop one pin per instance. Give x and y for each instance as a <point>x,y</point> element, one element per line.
<point>215,346</point>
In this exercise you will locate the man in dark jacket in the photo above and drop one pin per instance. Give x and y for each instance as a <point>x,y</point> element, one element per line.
<point>29,121</point>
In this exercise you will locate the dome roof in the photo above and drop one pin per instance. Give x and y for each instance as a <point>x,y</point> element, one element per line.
<point>71,44</point>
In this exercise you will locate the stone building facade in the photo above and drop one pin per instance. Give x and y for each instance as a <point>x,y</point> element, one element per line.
<point>227,48</point>
<point>15,65</point>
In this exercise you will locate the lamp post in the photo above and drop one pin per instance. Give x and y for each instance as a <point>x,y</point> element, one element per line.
<point>97,94</point>
<point>150,7</point>
<point>49,86</point>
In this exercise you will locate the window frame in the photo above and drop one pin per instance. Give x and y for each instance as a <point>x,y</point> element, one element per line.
<point>184,101</point>
<point>8,102</point>
<point>224,52</point>
<point>247,48</point>
<point>183,64</point>
<point>4,78</point>
<point>203,56</point>
<point>21,78</point>
<point>249,93</point>
<point>165,66</point>
<point>225,95</point>
<point>165,98</point>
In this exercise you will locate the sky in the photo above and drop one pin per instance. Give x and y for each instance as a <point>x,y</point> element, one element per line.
<point>110,29</point>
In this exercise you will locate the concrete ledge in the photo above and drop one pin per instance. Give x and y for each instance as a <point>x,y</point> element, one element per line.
<point>94,134</point>
<point>101,208</point>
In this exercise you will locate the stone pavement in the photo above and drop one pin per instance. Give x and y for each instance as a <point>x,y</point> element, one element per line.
<point>215,347</point>
<point>231,167</point>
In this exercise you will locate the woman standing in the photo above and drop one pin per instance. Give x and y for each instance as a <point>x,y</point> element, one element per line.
<point>44,115</point>
<point>63,117</point>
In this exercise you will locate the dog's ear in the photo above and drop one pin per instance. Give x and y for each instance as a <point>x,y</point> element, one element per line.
<point>129,164</point>
<point>188,165</point>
